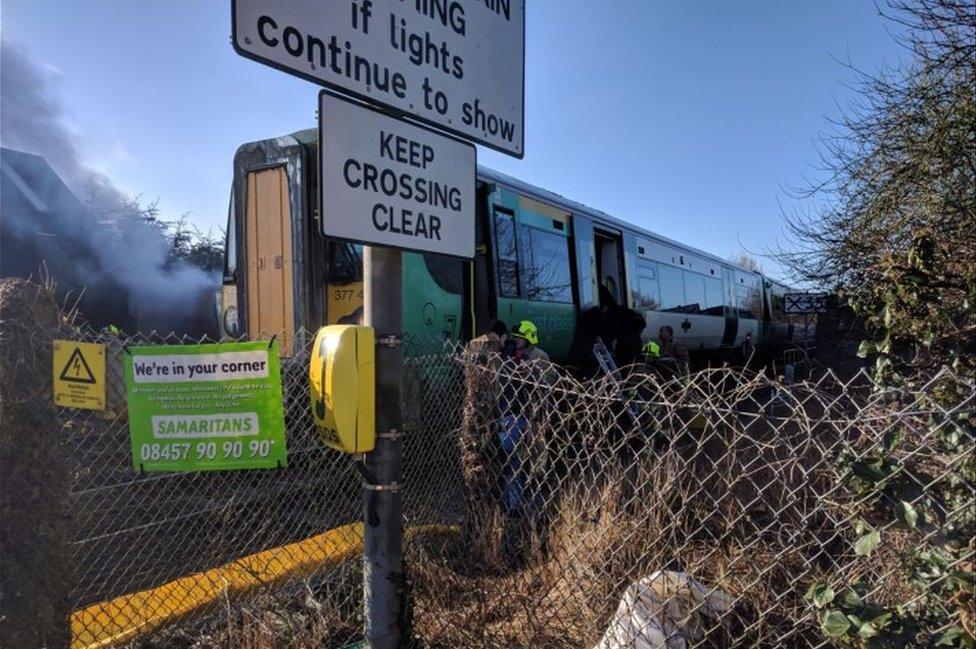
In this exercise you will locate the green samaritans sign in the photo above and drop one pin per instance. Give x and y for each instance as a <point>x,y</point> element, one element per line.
<point>205,407</point>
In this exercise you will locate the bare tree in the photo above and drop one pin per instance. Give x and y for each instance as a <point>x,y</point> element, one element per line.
<point>747,261</point>
<point>891,227</point>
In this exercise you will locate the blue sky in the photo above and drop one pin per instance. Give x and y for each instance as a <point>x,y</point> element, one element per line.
<point>688,118</point>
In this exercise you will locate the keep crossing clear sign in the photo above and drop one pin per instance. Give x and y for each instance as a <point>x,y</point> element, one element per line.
<point>387,182</point>
<point>205,407</point>
<point>79,375</point>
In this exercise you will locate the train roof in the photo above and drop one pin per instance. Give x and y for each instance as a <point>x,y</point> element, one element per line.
<point>309,137</point>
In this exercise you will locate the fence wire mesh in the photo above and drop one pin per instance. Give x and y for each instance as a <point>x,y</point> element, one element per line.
<point>649,509</point>
<point>642,509</point>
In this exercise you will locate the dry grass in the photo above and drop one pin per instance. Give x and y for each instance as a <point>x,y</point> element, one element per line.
<point>746,503</point>
<point>322,612</point>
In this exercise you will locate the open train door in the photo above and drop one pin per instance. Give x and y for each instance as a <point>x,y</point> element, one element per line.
<point>731,313</point>
<point>610,266</point>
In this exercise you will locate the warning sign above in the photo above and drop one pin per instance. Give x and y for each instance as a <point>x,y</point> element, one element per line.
<point>459,66</point>
<point>79,375</point>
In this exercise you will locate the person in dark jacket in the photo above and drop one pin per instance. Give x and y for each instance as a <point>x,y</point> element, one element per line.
<point>581,360</point>
<point>609,310</point>
<point>630,324</point>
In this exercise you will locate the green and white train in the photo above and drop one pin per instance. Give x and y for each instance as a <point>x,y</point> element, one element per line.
<point>539,257</point>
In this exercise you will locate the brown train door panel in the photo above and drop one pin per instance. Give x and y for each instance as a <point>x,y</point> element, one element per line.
<point>270,300</point>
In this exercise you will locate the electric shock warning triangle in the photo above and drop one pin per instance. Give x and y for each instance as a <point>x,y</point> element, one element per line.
<point>77,370</point>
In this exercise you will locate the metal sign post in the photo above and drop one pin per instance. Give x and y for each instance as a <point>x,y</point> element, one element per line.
<point>366,160</point>
<point>383,578</point>
<point>805,304</point>
<point>457,66</point>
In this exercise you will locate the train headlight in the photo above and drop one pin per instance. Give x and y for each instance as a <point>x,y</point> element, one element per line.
<point>231,326</point>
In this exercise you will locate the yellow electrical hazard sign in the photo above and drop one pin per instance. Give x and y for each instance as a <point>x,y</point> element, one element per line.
<point>79,375</point>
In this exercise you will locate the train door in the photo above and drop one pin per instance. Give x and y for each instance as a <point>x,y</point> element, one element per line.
<point>585,249</point>
<point>268,239</point>
<point>610,266</point>
<point>749,302</point>
<point>731,313</point>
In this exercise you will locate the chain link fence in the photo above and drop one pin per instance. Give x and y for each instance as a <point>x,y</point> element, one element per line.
<point>642,509</point>
<point>652,509</point>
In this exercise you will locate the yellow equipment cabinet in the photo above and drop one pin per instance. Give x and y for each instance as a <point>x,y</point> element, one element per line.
<point>342,382</point>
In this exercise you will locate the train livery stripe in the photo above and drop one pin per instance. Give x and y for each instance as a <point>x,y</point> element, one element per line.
<point>119,620</point>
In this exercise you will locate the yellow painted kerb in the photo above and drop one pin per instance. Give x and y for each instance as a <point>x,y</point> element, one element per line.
<point>121,619</point>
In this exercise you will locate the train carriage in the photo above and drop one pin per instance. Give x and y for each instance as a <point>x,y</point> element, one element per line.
<point>538,256</point>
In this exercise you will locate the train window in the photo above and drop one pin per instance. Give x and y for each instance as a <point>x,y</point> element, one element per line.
<point>507,254</point>
<point>648,294</point>
<point>672,289</point>
<point>345,262</point>
<point>647,269</point>
<point>714,304</point>
<point>545,266</point>
<point>749,301</point>
<point>446,272</point>
<point>694,292</point>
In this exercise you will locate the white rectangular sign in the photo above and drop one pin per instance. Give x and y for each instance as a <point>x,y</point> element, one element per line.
<point>455,64</point>
<point>387,182</point>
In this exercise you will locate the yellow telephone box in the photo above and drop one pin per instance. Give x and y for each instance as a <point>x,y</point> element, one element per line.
<point>342,382</point>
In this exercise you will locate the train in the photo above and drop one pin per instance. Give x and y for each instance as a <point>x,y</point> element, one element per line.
<point>539,257</point>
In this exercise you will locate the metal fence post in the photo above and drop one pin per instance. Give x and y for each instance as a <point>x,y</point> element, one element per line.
<point>383,524</point>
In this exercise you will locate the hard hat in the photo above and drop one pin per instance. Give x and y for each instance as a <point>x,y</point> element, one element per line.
<point>527,330</point>
<point>652,349</point>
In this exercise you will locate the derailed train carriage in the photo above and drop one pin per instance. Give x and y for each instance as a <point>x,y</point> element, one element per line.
<point>538,256</point>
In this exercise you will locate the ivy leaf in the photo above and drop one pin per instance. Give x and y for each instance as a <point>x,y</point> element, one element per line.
<point>869,471</point>
<point>867,630</point>
<point>834,623</point>
<point>851,600</point>
<point>892,440</point>
<point>866,544</point>
<point>865,349</point>
<point>820,594</point>
<point>951,638</point>
<point>906,513</point>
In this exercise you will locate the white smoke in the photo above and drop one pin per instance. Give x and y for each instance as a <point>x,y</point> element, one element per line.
<point>129,251</point>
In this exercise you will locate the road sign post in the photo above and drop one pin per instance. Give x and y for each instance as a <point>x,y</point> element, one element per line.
<point>394,185</point>
<point>383,578</point>
<point>398,186</point>
<point>805,304</point>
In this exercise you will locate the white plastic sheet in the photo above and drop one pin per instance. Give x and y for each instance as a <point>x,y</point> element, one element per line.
<point>664,610</point>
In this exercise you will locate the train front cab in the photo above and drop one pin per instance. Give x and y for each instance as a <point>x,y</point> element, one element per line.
<point>265,285</point>
<point>282,276</point>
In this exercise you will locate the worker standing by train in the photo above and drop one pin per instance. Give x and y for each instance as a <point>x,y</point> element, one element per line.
<point>525,367</point>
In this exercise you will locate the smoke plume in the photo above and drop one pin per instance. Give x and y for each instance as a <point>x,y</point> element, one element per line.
<point>126,253</point>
